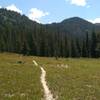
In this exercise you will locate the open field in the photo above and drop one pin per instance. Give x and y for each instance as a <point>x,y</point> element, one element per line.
<point>19,81</point>
<point>79,81</point>
<point>68,79</point>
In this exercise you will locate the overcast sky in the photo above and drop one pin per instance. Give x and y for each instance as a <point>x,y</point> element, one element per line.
<point>48,11</point>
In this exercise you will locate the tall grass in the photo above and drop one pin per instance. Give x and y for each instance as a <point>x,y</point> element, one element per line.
<point>80,81</point>
<point>19,81</point>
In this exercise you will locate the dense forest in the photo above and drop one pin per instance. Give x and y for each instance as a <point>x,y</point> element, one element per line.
<point>73,37</point>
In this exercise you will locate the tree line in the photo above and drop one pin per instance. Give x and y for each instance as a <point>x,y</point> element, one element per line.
<point>20,35</point>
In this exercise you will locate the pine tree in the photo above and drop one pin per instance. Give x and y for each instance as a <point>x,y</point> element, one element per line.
<point>93,44</point>
<point>84,49</point>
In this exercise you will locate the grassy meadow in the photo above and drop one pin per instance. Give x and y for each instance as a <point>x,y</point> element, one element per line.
<point>19,81</point>
<point>68,79</point>
<point>79,81</point>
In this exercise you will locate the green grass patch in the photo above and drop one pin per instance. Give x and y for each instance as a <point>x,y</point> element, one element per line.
<point>19,81</point>
<point>80,81</point>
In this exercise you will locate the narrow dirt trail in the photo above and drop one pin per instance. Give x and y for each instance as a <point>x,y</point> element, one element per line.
<point>47,93</point>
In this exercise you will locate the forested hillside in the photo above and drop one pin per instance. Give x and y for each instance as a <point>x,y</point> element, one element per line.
<point>73,37</point>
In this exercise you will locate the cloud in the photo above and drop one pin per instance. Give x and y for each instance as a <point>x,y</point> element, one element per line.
<point>36,14</point>
<point>78,2</point>
<point>88,6</point>
<point>0,7</point>
<point>13,7</point>
<point>96,20</point>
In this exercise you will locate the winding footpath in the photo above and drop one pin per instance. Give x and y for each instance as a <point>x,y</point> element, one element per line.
<point>47,93</point>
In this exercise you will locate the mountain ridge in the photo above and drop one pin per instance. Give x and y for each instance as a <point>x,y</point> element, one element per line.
<point>21,35</point>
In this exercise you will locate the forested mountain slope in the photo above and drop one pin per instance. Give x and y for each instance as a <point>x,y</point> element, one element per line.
<point>73,37</point>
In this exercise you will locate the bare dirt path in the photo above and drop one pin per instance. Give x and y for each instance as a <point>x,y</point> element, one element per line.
<point>47,93</point>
